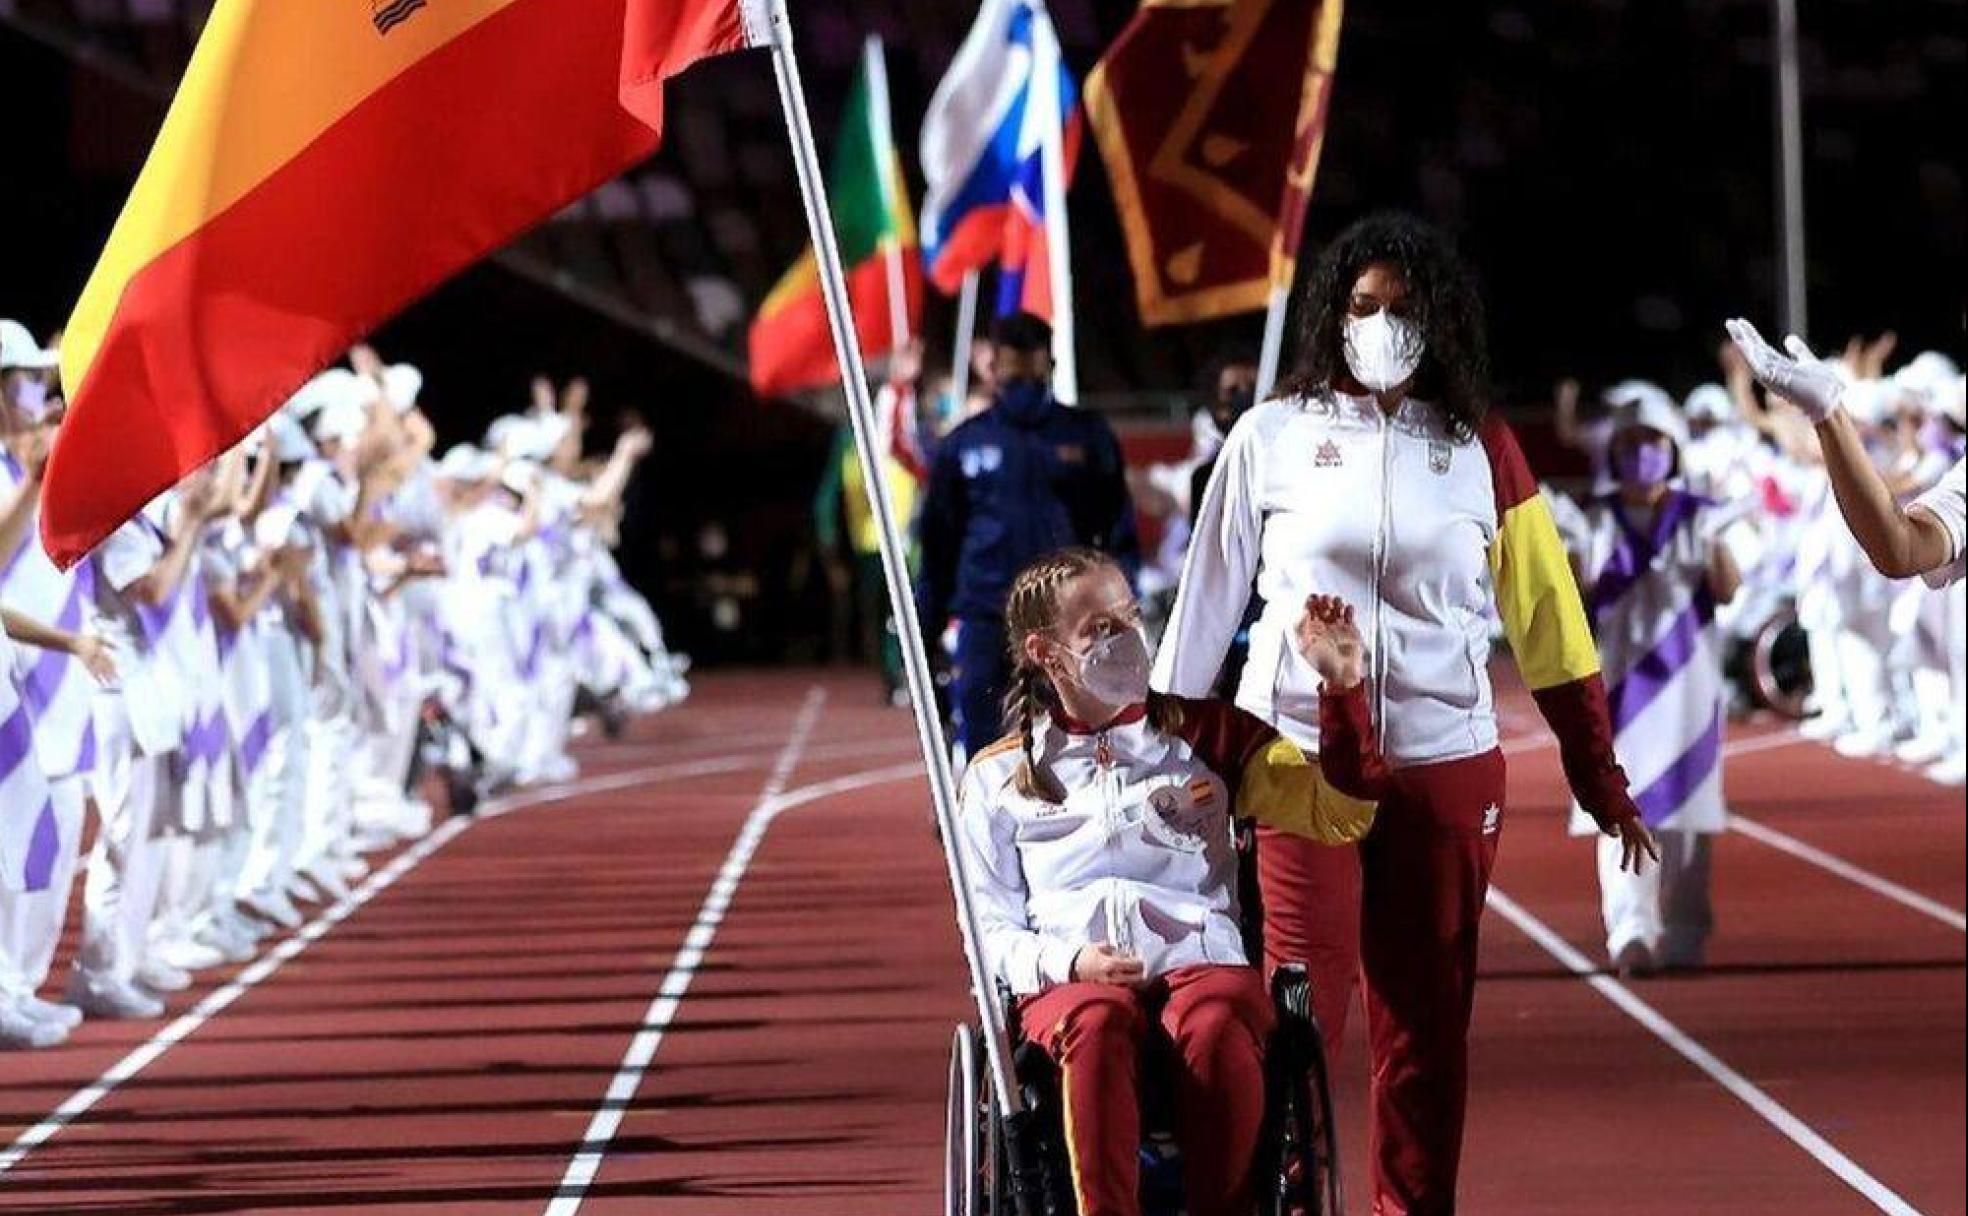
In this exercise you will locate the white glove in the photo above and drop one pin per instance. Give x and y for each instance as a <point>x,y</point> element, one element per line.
<point>1803,379</point>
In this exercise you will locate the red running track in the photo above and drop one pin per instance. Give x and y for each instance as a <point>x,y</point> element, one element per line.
<point>447,1044</point>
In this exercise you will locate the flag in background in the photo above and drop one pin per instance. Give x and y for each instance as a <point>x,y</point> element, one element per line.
<point>791,345</point>
<point>982,155</point>
<point>1212,162</point>
<point>321,166</point>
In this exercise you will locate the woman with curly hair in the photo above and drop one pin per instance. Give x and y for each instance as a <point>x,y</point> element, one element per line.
<point>1377,475</point>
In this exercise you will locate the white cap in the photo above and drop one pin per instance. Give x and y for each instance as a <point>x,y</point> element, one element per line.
<point>18,349</point>
<point>1927,377</point>
<point>340,421</point>
<point>1629,394</point>
<point>1657,414</point>
<point>337,384</point>
<point>467,463</point>
<point>1869,401</point>
<point>1709,403</point>
<point>277,527</point>
<point>1954,401</point>
<point>502,431</point>
<point>401,385</point>
<point>290,441</point>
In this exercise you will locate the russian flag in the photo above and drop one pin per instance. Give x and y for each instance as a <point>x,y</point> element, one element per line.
<point>982,155</point>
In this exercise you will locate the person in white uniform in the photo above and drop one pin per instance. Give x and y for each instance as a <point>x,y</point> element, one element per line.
<point>1654,573</point>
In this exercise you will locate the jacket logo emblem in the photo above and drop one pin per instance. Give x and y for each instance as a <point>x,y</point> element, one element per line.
<point>1492,819</point>
<point>1440,455</point>
<point>979,461</point>
<point>1328,456</point>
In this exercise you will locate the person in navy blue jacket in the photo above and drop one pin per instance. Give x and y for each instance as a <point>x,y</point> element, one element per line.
<point>1022,478</point>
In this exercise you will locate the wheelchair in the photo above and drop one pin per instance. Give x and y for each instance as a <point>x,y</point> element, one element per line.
<point>1017,1166</point>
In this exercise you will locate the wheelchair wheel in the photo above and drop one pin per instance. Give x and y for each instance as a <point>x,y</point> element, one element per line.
<point>1304,1174</point>
<point>1780,666</point>
<point>975,1172</point>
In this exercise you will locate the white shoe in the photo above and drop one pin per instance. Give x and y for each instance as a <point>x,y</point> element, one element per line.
<point>560,768</point>
<point>1921,750</point>
<point>188,954</point>
<point>325,874</point>
<point>68,1017</point>
<point>159,976</point>
<point>229,938</point>
<point>1863,744</point>
<point>1951,772</point>
<point>1824,728</point>
<point>352,868</point>
<point>274,907</point>
<point>112,999</point>
<point>19,1032</point>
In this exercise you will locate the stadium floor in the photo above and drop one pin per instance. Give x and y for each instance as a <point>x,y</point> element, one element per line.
<point>718,975</point>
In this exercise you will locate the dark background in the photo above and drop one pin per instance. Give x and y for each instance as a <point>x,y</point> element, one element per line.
<point>1607,167</point>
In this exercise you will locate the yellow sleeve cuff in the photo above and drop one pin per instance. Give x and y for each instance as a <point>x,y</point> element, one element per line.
<point>1285,790</point>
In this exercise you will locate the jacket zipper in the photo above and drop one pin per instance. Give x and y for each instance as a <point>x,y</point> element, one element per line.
<point>1381,545</point>
<point>1118,935</point>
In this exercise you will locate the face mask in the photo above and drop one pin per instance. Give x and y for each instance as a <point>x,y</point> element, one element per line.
<point>1382,350</point>
<point>1645,464</point>
<point>1114,670</point>
<point>1936,435</point>
<point>1025,397</point>
<point>31,399</point>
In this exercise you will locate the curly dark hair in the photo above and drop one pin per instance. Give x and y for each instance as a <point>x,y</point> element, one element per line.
<point>1455,371</point>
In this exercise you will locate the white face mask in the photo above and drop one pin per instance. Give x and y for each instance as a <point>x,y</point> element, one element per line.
<point>31,399</point>
<point>1114,670</point>
<point>1382,350</point>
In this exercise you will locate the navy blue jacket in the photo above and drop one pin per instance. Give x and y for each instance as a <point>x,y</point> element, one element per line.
<point>1005,489</point>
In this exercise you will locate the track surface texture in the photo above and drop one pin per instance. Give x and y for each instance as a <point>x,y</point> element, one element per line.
<point>718,975</point>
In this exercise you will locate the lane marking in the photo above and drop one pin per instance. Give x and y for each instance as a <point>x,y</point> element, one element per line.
<point>286,950</point>
<point>1832,864</point>
<point>1742,1088</point>
<point>607,1119</point>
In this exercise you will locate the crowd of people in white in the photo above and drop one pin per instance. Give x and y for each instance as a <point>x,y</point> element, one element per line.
<point>241,688</point>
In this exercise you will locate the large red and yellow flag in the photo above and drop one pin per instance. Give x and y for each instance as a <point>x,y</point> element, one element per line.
<point>324,163</point>
<point>1211,152</point>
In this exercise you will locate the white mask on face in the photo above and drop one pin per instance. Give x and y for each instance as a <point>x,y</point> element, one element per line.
<point>1114,670</point>
<point>31,399</point>
<point>1382,350</point>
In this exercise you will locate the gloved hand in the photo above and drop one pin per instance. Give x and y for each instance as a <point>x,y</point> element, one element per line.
<point>1803,379</point>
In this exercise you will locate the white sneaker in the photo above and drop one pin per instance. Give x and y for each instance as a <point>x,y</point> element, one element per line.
<point>1863,744</point>
<point>19,1032</point>
<point>229,938</point>
<point>112,999</point>
<point>560,768</point>
<point>274,907</point>
<point>1824,728</point>
<point>156,975</point>
<point>68,1017</point>
<point>188,954</point>
<point>1951,772</point>
<point>1921,750</point>
<point>325,874</point>
<point>352,868</point>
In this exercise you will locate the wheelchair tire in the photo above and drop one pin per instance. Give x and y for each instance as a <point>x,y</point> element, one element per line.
<point>976,1175</point>
<point>1780,666</point>
<point>1303,1176</point>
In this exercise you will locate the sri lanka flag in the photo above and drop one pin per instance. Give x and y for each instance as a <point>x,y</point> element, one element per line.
<point>982,154</point>
<point>324,163</point>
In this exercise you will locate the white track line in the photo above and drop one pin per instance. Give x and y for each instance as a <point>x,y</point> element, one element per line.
<point>1903,896</point>
<point>1742,1088</point>
<point>586,1163</point>
<point>263,968</point>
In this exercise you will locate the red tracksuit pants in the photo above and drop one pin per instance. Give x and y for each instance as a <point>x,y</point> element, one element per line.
<point>1414,888</point>
<point>1218,1019</point>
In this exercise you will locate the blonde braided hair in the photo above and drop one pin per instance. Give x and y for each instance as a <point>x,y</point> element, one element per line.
<point>1031,608</point>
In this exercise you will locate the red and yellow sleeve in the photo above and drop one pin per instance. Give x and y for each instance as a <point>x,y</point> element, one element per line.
<point>1272,781</point>
<point>1545,621</point>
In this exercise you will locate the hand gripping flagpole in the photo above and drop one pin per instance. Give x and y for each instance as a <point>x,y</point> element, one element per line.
<point>915,663</point>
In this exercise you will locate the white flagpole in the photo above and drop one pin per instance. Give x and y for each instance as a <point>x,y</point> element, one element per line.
<point>1274,339</point>
<point>861,412</point>
<point>1059,242</point>
<point>966,338</point>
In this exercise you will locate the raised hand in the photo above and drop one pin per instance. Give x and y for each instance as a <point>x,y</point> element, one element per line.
<point>1329,639</point>
<point>1801,378</point>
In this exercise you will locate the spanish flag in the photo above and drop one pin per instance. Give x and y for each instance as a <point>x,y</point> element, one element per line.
<point>791,346</point>
<point>326,162</point>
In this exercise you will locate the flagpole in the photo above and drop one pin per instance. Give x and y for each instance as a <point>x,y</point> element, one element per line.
<point>854,379</point>
<point>966,337</point>
<point>1274,339</point>
<point>1059,242</point>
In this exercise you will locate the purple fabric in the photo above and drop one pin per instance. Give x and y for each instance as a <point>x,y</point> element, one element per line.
<point>16,741</point>
<point>1635,552</point>
<point>1657,668</point>
<point>85,756</point>
<point>43,848</point>
<point>253,747</point>
<point>1672,788</point>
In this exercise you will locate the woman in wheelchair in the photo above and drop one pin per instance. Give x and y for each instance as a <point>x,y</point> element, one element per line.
<point>1099,842</point>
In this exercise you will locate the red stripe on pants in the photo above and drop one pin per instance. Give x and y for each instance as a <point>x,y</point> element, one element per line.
<point>1311,895</point>
<point>1425,868</point>
<point>1218,1018</point>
